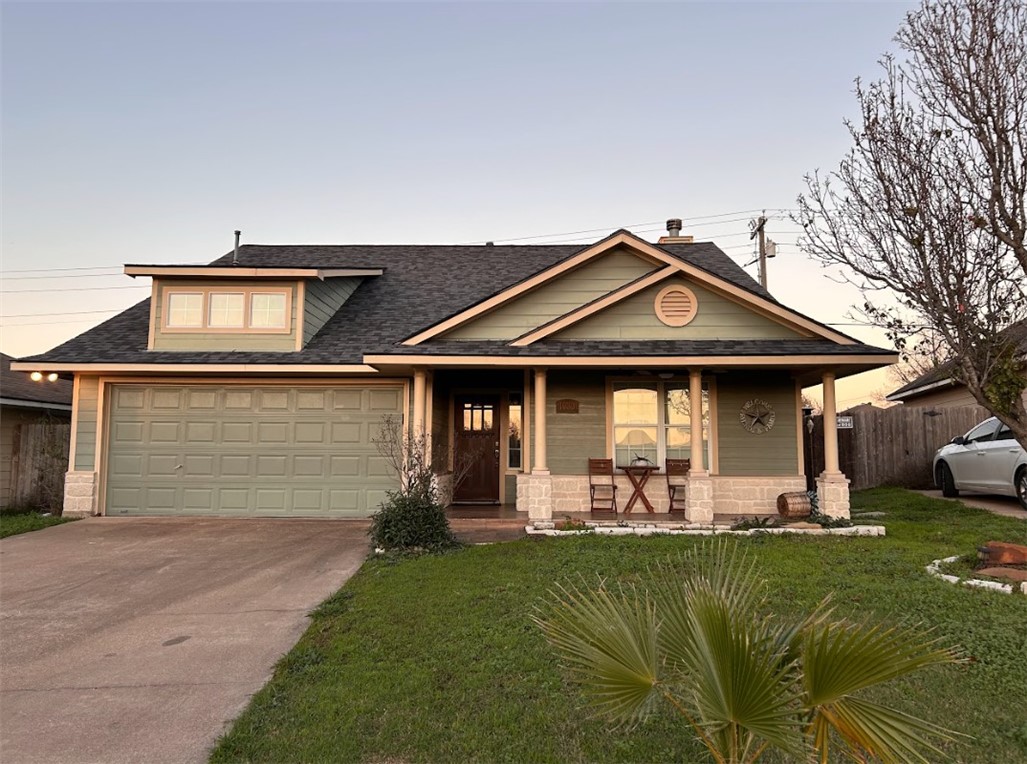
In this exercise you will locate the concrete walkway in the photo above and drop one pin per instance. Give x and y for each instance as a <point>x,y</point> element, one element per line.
<point>999,505</point>
<point>138,640</point>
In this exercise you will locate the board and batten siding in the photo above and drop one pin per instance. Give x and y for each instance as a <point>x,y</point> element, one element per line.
<point>223,340</point>
<point>85,416</point>
<point>554,299</point>
<point>716,317</point>
<point>322,299</point>
<point>742,452</point>
<point>572,439</point>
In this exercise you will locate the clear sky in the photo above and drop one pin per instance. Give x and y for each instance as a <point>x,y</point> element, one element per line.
<point>147,132</point>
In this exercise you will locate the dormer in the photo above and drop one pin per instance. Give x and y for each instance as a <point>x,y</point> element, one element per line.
<point>227,307</point>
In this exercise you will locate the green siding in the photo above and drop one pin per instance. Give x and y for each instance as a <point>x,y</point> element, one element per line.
<point>322,300</point>
<point>510,489</point>
<point>743,453</point>
<point>716,318</point>
<point>187,341</point>
<point>571,439</point>
<point>86,416</point>
<point>556,298</point>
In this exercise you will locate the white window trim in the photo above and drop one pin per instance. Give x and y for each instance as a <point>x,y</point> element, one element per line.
<point>660,386</point>
<point>206,328</point>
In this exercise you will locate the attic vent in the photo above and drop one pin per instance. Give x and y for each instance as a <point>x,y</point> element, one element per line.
<point>676,305</point>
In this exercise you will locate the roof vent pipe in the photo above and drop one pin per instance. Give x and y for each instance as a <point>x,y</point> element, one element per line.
<point>235,254</point>
<point>674,227</point>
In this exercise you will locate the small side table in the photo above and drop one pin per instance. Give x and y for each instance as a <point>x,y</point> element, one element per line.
<point>638,476</point>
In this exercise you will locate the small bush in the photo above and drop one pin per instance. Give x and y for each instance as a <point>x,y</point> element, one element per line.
<point>408,521</point>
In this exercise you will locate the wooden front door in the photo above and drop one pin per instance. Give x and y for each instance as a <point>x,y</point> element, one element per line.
<point>476,449</point>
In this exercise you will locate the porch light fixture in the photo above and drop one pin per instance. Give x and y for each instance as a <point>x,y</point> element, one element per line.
<point>37,376</point>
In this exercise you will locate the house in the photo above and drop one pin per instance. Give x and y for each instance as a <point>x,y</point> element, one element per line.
<point>23,401</point>
<point>937,389</point>
<point>255,385</point>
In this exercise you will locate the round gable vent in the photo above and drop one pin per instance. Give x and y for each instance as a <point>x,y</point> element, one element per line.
<point>676,305</point>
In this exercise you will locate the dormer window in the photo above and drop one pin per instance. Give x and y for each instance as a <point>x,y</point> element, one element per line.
<point>256,310</point>
<point>185,310</point>
<point>267,310</point>
<point>226,310</point>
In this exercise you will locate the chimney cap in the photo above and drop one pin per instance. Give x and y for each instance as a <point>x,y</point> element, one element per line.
<point>674,224</point>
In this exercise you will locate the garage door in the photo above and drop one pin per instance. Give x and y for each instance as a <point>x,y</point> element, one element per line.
<point>258,450</point>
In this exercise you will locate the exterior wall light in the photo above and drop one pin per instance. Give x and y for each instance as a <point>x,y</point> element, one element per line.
<point>36,376</point>
<point>52,376</point>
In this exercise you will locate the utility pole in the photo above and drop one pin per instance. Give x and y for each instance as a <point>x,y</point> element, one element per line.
<point>757,227</point>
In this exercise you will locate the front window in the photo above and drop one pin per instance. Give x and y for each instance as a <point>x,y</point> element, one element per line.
<point>653,421</point>
<point>514,416</point>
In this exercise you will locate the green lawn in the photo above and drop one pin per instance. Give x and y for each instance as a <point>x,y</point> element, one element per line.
<point>13,523</point>
<point>435,659</point>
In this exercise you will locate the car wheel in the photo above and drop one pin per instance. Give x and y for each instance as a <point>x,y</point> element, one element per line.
<point>1021,486</point>
<point>945,480</point>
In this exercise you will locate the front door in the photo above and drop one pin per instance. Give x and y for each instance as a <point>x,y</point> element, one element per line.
<point>476,449</point>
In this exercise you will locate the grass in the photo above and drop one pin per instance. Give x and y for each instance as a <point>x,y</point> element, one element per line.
<point>434,658</point>
<point>13,522</point>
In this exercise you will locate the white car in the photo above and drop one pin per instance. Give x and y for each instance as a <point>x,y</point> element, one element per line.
<point>987,459</point>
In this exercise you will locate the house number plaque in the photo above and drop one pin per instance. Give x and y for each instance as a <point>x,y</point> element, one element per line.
<point>566,406</point>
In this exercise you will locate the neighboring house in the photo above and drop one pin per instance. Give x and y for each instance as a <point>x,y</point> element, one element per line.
<point>255,385</point>
<point>23,401</point>
<point>937,389</point>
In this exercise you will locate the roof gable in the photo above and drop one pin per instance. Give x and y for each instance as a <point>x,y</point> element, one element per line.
<point>715,318</point>
<point>555,297</point>
<point>656,254</point>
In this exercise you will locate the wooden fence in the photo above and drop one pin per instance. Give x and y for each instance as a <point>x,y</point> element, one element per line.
<point>893,446</point>
<point>39,459</point>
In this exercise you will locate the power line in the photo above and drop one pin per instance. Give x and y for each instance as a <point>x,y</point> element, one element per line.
<point>83,289</point>
<point>64,313</point>
<point>70,276</point>
<point>45,270</point>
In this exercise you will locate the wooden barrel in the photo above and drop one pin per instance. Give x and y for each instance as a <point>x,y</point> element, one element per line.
<point>794,505</point>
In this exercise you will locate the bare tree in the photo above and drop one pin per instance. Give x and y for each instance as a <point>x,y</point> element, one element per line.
<point>418,470</point>
<point>928,206</point>
<point>926,355</point>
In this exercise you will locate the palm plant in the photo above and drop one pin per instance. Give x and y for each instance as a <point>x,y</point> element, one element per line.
<point>697,638</point>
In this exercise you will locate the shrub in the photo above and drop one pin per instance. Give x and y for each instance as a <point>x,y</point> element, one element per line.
<point>413,517</point>
<point>408,521</point>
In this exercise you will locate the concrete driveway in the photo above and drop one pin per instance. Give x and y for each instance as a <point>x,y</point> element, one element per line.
<point>131,640</point>
<point>999,505</point>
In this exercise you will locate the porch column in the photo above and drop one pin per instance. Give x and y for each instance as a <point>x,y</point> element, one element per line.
<point>695,420</point>
<point>832,485</point>
<point>540,465</point>
<point>535,490</point>
<point>420,378</point>
<point>699,494</point>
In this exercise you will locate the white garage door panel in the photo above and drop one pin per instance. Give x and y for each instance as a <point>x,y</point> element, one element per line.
<point>231,450</point>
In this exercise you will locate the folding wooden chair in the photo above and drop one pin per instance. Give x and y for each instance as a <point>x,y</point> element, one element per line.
<point>600,481</point>
<point>677,482</point>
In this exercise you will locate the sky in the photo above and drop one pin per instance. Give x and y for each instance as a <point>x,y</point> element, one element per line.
<point>144,132</point>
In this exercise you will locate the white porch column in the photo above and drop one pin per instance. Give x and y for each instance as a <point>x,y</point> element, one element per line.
<point>420,379</point>
<point>830,426</point>
<point>832,485</point>
<point>535,490</point>
<point>540,464</point>
<point>699,494</point>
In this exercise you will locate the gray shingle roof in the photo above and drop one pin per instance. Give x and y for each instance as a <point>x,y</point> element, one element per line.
<point>422,285</point>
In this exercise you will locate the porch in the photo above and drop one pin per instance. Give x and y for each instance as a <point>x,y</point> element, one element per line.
<point>515,443</point>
